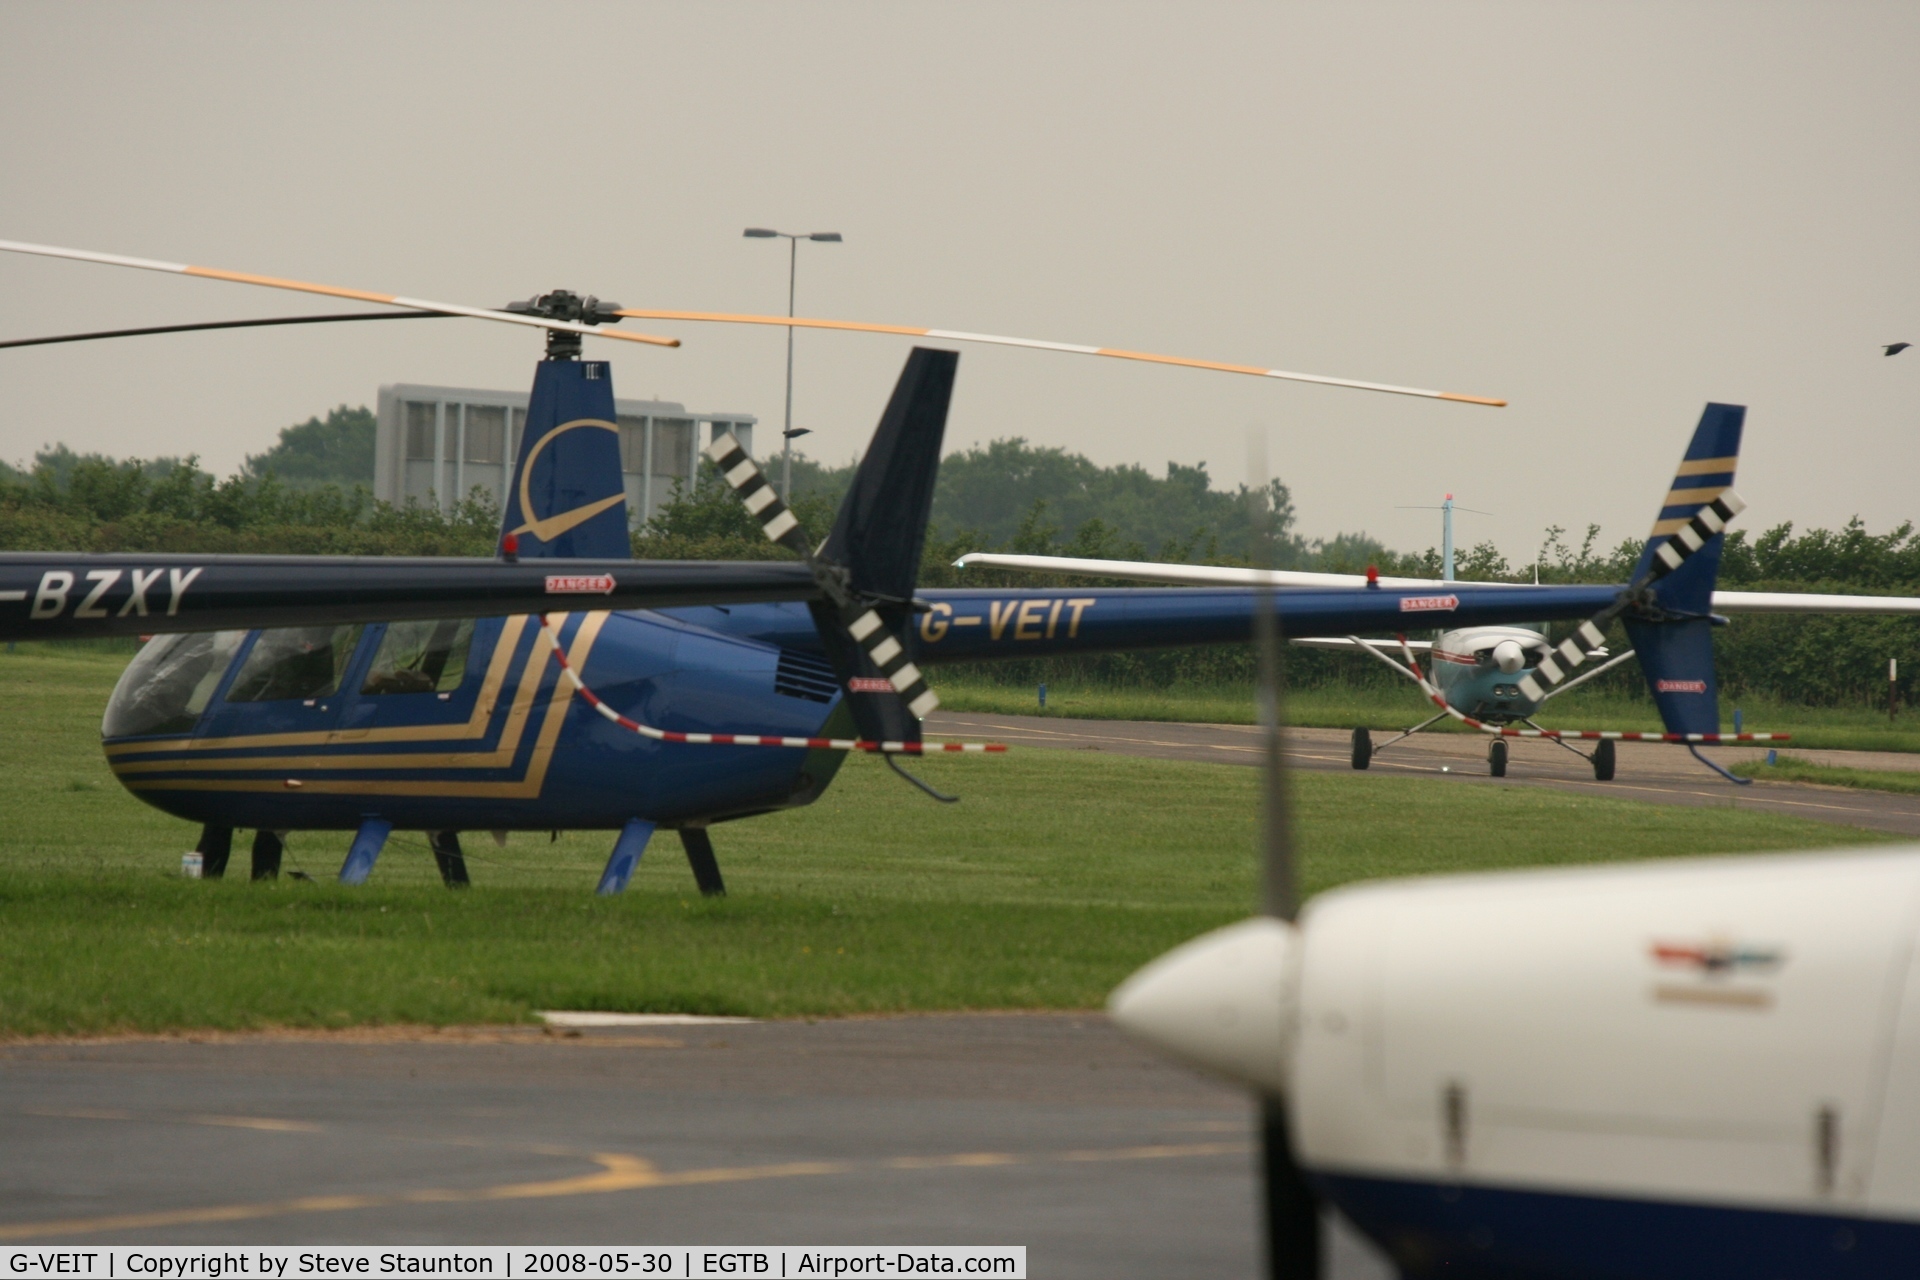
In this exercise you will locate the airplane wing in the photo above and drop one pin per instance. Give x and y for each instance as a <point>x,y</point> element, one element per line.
<point>1208,575</point>
<point>1810,602</point>
<point>1195,575</point>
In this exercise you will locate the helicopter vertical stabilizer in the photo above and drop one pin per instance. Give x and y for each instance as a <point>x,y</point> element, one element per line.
<point>1676,653</point>
<point>879,534</point>
<point>568,497</point>
<point>882,525</point>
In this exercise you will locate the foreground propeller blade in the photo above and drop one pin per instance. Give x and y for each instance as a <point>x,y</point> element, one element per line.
<point>331,291</point>
<point>954,335</point>
<point>1292,1205</point>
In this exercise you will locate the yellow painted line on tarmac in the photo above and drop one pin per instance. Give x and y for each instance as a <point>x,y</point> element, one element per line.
<point>617,1173</point>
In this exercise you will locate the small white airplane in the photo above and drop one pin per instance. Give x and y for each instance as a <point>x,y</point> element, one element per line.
<point>1687,1069</point>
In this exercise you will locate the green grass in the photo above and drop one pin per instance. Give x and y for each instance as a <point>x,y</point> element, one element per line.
<point>1058,874</point>
<point>1397,707</point>
<point>1793,769</point>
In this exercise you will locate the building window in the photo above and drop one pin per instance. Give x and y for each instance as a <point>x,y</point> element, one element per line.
<point>633,443</point>
<point>486,433</point>
<point>420,431</point>
<point>673,447</point>
<point>294,662</point>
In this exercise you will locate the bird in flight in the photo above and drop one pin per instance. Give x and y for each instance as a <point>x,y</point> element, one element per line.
<point>1895,348</point>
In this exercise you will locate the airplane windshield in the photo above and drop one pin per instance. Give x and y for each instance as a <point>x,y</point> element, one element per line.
<point>168,683</point>
<point>294,662</point>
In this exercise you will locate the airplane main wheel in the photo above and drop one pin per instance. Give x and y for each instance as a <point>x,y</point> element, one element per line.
<point>1497,758</point>
<point>1362,748</point>
<point>1603,761</point>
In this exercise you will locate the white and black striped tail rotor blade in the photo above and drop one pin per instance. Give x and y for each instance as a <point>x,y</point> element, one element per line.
<point>882,648</point>
<point>758,495</point>
<point>1678,547</point>
<point>1562,662</point>
<point>889,657</point>
<point>1696,533</point>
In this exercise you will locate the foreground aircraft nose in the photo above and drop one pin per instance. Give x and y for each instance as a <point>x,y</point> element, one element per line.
<point>1223,1002</point>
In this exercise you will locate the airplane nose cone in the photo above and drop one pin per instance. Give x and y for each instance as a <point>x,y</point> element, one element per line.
<point>1223,1002</point>
<point>1509,656</point>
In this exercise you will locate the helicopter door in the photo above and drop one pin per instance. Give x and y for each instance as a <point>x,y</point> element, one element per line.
<point>288,681</point>
<point>418,675</point>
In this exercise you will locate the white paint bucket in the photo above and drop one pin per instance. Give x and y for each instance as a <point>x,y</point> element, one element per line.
<point>191,864</point>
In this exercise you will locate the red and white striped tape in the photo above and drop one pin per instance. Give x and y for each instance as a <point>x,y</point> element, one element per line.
<point>746,739</point>
<point>1439,700</point>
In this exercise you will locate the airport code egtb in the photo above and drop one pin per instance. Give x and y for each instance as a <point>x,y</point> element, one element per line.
<point>676,1262</point>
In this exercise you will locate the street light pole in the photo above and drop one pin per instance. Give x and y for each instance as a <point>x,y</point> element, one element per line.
<point>787,433</point>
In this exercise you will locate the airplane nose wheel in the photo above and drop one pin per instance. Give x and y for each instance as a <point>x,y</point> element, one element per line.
<point>1603,761</point>
<point>1497,758</point>
<point>1362,748</point>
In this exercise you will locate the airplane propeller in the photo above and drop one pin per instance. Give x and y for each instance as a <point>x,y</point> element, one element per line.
<point>566,313</point>
<point>1292,1205</point>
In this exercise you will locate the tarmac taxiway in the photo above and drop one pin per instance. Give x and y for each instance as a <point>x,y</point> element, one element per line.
<point>1048,1130</point>
<point>1653,772</point>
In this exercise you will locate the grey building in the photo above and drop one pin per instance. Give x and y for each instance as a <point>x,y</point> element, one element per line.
<point>437,444</point>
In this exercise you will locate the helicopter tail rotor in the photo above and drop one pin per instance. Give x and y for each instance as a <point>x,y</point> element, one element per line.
<point>868,566</point>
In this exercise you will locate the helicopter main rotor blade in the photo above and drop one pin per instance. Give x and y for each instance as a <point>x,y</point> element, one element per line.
<point>225,324</point>
<point>56,595</point>
<point>331,291</point>
<point>955,335</point>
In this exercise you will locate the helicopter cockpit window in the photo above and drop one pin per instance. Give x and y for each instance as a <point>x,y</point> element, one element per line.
<point>294,662</point>
<point>168,683</point>
<point>421,657</point>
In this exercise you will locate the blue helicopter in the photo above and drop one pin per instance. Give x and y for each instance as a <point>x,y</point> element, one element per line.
<point>565,685</point>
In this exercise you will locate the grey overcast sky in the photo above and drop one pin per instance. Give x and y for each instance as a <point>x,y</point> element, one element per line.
<point>1607,213</point>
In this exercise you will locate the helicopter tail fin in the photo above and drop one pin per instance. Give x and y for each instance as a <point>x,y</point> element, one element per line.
<point>882,526</point>
<point>568,497</point>
<point>877,540</point>
<point>1676,651</point>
